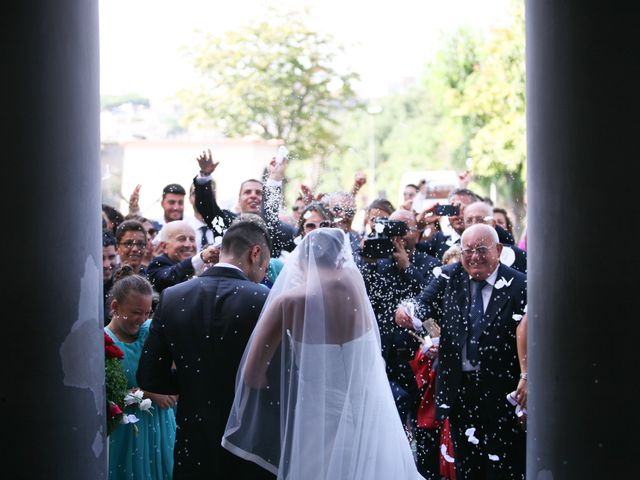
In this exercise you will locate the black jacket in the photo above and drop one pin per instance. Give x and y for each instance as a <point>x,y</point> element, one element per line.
<point>203,325</point>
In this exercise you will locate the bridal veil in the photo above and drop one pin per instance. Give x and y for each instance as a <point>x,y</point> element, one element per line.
<point>312,397</point>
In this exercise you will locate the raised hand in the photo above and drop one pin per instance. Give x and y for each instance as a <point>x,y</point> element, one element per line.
<point>359,180</point>
<point>134,199</point>
<point>307,194</point>
<point>400,254</point>
<point>207,165</point>
<point>276,171</point>
<point>464,178</point>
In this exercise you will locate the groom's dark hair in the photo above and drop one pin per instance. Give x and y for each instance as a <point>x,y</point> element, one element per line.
<point>245,232</point>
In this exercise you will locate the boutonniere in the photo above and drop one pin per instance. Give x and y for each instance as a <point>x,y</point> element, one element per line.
<point>503,283</point>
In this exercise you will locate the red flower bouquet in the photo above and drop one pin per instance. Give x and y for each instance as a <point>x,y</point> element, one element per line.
<point>115,383</point>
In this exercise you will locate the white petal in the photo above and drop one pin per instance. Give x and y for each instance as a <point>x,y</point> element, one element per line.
<point>443,452</point>
<point>470,431</point>
<point>145,404</point>
<point>499,284</point>
<point>437,271</point>
<point>445,276</point>
<point>494,458</point>
<point>128,419</point>
<point>516,317</point>
<point>473,440</point>
<point>507,256</point>
<point>444,405</point>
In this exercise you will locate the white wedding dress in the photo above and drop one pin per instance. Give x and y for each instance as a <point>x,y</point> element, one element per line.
<point>346,400</point>
<point>312,400</point>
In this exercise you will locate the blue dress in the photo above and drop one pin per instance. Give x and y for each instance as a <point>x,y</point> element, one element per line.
<point>147,454</point>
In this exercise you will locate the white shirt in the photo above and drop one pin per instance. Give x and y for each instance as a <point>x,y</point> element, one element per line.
<point>227,265</point>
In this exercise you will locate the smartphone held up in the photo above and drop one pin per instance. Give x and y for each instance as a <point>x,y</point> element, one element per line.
<point>447,210</point>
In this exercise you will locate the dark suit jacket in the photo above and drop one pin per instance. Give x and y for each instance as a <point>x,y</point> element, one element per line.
<point>281,234</point>
<point>387,287</point>
<point>203,325</point>
<point>436,246</point>
<point>163,272</point>
<point>447,300</point>
<point>208,207</point>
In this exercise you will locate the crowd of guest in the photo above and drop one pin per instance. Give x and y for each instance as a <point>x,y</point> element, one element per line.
<point>448,293</point>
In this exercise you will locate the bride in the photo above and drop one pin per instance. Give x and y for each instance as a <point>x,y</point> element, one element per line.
<point>312,397</point>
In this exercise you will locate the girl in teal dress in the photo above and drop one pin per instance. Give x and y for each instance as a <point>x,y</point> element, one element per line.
<point>148,452</point>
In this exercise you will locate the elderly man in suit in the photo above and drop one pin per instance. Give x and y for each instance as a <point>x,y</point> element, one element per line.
<point>180,260</point>
<point>478,303</point>
<point>202,326</point>
<point>481,212</point>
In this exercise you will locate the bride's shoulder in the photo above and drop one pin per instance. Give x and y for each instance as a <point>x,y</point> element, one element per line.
<point>293,295</point>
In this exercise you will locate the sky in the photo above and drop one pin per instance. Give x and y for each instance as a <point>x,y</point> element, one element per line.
<point>386,42</point>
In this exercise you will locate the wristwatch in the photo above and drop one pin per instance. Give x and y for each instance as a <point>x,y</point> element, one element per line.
<point>523,376</point>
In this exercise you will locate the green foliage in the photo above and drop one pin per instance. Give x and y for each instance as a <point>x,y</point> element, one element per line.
<point>274,78</point>
<point>108,102</point>
<point>489,107</point>
<point>116,388</point>
<point>495,97</point>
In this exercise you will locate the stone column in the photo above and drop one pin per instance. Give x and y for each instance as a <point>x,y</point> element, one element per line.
<point>52,387</point>
<point>583,78</point>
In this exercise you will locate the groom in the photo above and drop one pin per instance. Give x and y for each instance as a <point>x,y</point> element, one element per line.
<point>203,325</point>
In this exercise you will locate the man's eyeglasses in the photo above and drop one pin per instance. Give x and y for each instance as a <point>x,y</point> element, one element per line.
<point>481,251</point>
<point>295,208</point>
<point>313,226</point>
<point>130,244</point>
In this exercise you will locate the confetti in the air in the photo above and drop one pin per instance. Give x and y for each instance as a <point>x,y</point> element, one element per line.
<point>445,455</point>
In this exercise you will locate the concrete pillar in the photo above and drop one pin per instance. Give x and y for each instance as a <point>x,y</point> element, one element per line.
<point>583,78</point>
<point>52,383</point>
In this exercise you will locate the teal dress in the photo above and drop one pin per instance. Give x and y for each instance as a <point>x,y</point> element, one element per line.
<point>147,454</point>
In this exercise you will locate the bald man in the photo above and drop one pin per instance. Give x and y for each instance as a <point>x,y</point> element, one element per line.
<point>180,260</point>
<point>482,213</point>
<point>478,303</point>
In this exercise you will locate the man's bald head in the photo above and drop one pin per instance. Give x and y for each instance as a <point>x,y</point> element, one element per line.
<point>404,216</point>
<point>478,212</point>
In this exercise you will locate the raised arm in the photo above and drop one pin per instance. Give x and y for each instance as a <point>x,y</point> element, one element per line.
<point>134,201</point>
<point>205,199</point>
<point>358,182</point>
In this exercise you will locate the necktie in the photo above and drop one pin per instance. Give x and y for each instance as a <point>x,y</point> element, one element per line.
<point>476,312</point>
<point>203,241</point>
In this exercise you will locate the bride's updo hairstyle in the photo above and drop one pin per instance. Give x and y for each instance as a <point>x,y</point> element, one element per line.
<point>324,248</point>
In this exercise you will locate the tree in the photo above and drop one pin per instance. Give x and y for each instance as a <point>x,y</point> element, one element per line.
<point>274,78</point>
<point>494,99</point>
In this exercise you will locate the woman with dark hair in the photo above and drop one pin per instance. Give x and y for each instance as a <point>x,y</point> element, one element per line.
<point>501,217</point>
<point>132,245</point>
<point>315,215</point>
<point>144,449</point>
<point>112,217</point>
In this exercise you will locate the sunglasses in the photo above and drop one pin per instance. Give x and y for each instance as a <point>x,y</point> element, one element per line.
<point>313,226</point>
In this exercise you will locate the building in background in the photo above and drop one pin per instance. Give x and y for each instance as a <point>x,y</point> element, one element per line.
<point>156,163</point>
